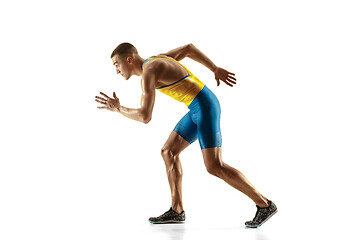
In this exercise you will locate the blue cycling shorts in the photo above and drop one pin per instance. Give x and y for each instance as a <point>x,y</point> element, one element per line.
<point>202,121</point>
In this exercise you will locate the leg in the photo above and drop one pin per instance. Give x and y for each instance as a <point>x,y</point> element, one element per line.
<point>170,153</point>
<point>215,166</point>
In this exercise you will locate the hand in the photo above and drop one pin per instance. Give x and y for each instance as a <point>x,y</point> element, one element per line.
<point>109,103</point>
<point>225,76</point>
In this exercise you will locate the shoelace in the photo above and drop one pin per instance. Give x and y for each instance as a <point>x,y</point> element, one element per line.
<point>169,212</point>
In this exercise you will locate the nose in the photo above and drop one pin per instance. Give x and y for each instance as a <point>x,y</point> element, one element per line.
<point>117,71</point>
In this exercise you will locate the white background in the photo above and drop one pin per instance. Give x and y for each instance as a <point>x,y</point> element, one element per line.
<point>71,171</point>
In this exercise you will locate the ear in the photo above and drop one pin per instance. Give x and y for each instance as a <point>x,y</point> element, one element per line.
<point>129,59</point>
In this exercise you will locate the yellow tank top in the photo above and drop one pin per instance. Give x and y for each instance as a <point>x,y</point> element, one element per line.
<point>183,90</point>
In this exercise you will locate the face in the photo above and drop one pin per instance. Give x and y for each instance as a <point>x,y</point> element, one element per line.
<point>122,66</point>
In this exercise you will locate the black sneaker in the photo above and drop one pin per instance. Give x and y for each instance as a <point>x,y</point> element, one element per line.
<point>169,217</point>
<point>262,215</point>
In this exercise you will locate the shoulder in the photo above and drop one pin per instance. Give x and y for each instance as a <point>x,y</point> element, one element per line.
<point>155,65</point>
<point>152,71</point>
<point>158,60</point>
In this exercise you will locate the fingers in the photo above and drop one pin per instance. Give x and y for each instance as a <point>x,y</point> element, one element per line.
<point>227,83</point>
<point>100,98</point>
<point>104,95</point>
<point>102,102</point>
<point>107,102</point>
<point>233,82</point>
<point>231,77</point>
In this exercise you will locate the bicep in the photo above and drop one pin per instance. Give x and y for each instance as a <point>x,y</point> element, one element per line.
<point>148,93</point>
<point>148,100</point>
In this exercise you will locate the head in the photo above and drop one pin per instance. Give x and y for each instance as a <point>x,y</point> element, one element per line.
<point>126,60</point>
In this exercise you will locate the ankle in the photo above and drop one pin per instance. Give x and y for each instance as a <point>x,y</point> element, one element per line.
<point>177,209</point>
<point>264,203</point>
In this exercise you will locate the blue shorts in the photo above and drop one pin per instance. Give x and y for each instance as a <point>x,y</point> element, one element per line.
<point>202,121</point>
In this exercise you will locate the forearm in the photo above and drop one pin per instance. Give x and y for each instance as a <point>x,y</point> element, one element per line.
<point>134,114</point>
<point>200,57</point>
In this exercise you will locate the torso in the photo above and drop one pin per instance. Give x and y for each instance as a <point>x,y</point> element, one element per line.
<point>173,78</point>
<point>169,72</point>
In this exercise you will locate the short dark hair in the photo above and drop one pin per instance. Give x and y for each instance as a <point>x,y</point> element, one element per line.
<point>124,48</point>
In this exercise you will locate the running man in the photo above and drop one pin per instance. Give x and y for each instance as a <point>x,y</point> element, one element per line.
<point>164,73</point>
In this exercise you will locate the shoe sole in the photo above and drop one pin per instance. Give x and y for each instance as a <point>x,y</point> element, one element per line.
<point>166,222</point>
<point>256,226</point>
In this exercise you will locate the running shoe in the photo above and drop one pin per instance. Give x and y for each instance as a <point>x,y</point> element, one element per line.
<point>262,215</point>
<point>169,217</point>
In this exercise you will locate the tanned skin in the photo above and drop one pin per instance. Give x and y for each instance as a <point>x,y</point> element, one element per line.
<point>162,72</point>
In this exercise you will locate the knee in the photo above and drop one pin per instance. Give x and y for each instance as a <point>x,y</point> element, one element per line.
<point>215,169</point>
<point>170,158</point>
<point>167,153</point>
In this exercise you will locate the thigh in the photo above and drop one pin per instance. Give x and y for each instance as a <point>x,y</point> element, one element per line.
<point>208,126</point>
<point>187,129</point>
<point>205,112</point>
<point>175,143</point>
<point>212,157</point>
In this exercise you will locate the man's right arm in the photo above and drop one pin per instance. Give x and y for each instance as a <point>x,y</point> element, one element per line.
<point>192,52</point>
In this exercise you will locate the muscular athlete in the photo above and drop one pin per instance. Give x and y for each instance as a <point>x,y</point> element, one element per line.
<point>164,73</point>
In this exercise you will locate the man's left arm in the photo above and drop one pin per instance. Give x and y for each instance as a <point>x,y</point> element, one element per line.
<point>142,114</point>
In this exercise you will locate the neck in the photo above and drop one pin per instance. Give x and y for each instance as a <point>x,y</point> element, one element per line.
<point>138,66</point>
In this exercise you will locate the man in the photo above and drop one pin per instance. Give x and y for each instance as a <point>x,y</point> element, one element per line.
<point>166,74</point>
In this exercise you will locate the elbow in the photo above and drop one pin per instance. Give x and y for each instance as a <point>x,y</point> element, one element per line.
<point>145,114</point>
<point>189,49</point>
<point>146,118</point>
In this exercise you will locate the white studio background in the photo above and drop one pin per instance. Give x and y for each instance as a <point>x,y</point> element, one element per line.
<point>71,171</point>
